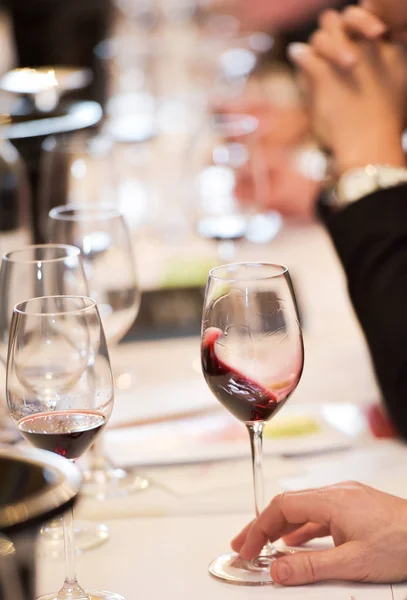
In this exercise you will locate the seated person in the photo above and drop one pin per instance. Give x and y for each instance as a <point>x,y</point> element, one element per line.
<point>359,110</point>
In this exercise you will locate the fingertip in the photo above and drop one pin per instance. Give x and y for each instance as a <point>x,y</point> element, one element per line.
<point>297,51</point>
<point>363,22</point>
<point>377,29</point>
<point>246,554</point>
<point>373,31</point>
<point>236,544</point>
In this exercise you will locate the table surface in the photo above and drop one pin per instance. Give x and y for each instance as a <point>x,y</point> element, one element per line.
<point>162,539</point>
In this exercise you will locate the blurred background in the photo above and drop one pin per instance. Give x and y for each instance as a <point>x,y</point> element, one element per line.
<point>185,113</point>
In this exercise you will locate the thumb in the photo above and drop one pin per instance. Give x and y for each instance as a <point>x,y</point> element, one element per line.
<point>308,567</point>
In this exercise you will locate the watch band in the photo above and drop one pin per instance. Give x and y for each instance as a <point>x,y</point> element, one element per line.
<point>357,183</point>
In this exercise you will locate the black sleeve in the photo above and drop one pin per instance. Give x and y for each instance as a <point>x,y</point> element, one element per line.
<point>370,237</point>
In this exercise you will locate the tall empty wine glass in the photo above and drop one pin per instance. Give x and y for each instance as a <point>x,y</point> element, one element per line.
<point>252,360</point>
<point>100,232</point>
<point>44,270</point>
<point>221,154</point>
<point>60,391</point>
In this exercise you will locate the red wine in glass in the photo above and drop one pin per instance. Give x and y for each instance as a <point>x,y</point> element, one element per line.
<point>67,433</point>
<point>246,399</point>
<point>252,358</point>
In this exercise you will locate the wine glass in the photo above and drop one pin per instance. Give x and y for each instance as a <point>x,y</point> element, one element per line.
<point>252,359</point>
<point>223,155</point>
<point>28,272</point>
<point>75,169</point>
<point>100,232</point>
<point>60,391</point>
<point>104,168</point>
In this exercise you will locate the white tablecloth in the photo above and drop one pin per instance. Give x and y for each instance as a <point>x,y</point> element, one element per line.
<point>163,538</point>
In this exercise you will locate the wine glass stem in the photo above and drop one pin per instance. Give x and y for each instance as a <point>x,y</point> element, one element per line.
<point>226,251</point>
<point>71,588</point>
<point>98,460</point>
<point>256,442</point>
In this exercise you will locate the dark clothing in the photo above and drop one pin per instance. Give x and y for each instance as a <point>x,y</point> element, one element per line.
<point>370,237</point>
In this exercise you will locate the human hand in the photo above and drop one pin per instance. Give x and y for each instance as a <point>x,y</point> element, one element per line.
<point>352,21</point>
<point>275,178</point>
<point>368,527</point>
<point>371,20</point>
<point>358,114</point>
<point>283,126</point>
<point>278,183</point>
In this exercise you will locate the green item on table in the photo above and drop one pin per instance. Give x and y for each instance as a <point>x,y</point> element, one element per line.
<point>291,426</point>
<point>186,273</point>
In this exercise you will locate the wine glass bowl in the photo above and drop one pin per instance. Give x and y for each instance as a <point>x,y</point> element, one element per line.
<point>33,271</point>
<point>75,386</point>
<point>252,360</point>
<point>99,231</point>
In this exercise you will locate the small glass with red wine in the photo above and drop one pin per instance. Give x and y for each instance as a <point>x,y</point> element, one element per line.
<point>59,388</point>
<point>252,359</point>
<point>29,272</point>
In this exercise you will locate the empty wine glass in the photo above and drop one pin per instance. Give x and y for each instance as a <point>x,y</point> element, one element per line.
<point>42,270</point>
<point>100,232</point>
<point>221,154</point>
<point>106,168</point>
<point>75,169</point>
<point>60,392</point>
<point>252,360</point>
<point>39,270</point>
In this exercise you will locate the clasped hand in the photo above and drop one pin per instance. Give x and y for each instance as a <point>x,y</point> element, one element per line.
<point>355,81</point>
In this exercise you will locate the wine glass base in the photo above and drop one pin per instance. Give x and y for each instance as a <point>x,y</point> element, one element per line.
<point>112,483</point>
<point>231,568</point>
<point>88,535</point>
<point>90,595</point>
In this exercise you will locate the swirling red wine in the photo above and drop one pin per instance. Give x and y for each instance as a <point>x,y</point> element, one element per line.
<point>246,399</point>
<point>67,433</point>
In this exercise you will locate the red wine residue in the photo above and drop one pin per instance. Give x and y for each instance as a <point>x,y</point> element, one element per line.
<point>67,433</point>
<point>247,400</point>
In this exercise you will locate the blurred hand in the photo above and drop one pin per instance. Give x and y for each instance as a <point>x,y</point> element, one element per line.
<point>358,114</point>
<point>278,125</point>
<point>355,21</point>
<point>273,180</point>
<point>369,530</point>
<point>279,184</point>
